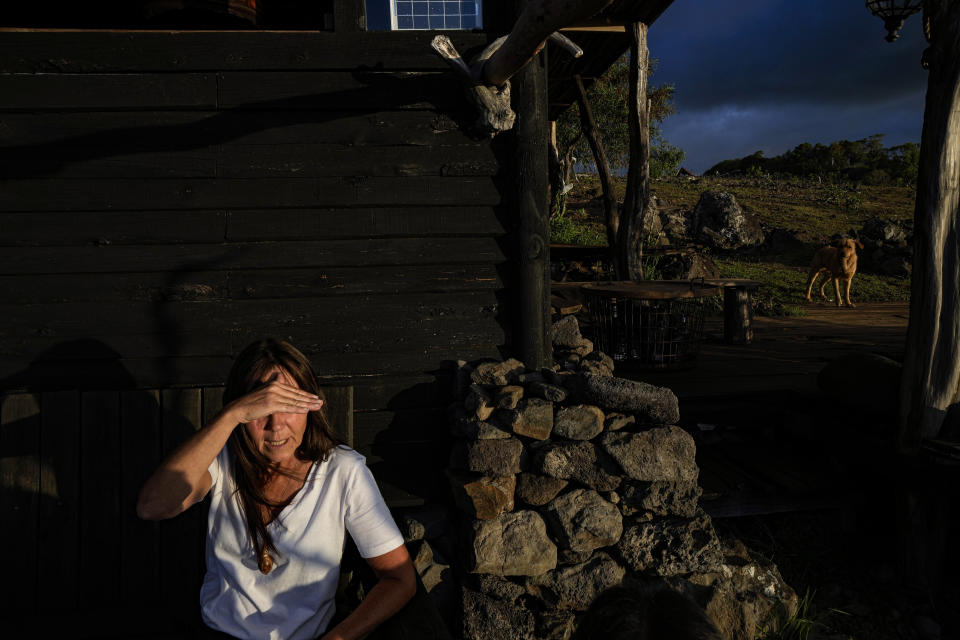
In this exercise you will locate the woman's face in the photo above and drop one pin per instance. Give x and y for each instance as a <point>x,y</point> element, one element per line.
<point>278,435</point>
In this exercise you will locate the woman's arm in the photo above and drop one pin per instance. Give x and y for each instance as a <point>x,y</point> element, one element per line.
<point>182,479</point>
<point>396,586</point>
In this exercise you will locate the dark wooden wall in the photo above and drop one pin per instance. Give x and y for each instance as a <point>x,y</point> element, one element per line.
<point>167,197</point>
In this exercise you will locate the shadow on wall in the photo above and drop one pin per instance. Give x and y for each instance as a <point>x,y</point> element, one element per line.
<point>73,456</point>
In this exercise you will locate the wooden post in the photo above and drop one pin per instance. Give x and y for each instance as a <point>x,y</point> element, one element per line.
<point>637,197</point>
<point>589,128</point>
<point>349,15</point>
<point>931,368</point>
<point>737,315</point>
<point>530,104</point>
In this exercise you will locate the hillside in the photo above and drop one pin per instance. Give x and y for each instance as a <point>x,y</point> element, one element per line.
<point>807,210</point>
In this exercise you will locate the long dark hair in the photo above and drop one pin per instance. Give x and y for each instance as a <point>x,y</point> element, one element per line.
<point>250,467</point>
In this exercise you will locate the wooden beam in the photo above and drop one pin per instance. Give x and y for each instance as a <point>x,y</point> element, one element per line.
<point>931,368</point>
<point>530,103</point>
<point>121,50</point>
<point>612,28</point>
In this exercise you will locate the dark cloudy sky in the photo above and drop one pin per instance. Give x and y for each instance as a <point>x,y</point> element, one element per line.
<point>770,74</point>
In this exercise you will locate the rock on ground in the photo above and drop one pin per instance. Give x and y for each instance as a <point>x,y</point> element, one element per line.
<point>722,223</point>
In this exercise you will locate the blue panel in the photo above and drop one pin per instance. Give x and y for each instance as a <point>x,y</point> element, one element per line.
<point>419,8</point>
<point>451,8</point>
<point>421,22</point>
<point>404,8</point>
<point>468,8</point>
<point>436,9</point>
<point>452,22</point>
<point>436,22</point>
<point>404,22</point>
<point>468,22</point>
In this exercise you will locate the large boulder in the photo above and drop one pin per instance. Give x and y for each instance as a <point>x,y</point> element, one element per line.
<point>583,521</point>
<point>514,544</point>
<point>671,546</point>
<point>723,224</point>
<point>663,454</point>
<point>649,403</point>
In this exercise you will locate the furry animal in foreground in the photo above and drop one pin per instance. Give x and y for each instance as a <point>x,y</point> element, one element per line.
<point>840,263</point>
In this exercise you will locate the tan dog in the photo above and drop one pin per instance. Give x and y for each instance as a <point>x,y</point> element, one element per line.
<point>840,263</point>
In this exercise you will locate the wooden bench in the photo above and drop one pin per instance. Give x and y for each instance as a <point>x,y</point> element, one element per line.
<point>78,560</point>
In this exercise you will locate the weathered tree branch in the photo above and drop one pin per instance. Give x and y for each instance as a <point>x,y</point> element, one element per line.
<point>589,128</point>
<point>636,201</point>
<point>539,19</point>
<point>931,368</point>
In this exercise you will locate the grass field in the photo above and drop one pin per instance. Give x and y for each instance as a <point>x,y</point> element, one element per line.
<point>810,209</point>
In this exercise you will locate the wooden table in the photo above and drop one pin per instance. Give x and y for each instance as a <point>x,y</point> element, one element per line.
<point>652,289</point>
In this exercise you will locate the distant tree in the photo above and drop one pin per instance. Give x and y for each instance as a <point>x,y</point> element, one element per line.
<point>865,160</point>
<point>608,100</point>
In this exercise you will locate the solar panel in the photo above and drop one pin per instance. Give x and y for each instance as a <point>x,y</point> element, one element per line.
<point>436,14</point>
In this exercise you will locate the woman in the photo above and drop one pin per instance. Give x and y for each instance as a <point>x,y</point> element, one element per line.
<point>283,495</point>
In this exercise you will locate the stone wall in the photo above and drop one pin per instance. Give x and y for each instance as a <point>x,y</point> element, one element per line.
<point>568,481</point>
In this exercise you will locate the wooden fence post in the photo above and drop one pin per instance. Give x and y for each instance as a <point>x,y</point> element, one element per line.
<point>931,367</point>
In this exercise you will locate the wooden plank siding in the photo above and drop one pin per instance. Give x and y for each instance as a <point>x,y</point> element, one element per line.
<point>167,197</point>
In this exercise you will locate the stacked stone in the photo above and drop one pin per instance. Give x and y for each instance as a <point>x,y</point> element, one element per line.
<point>569,479</point>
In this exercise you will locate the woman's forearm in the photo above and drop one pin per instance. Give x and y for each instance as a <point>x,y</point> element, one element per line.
<point>385,599</point>
<point>182,480</point>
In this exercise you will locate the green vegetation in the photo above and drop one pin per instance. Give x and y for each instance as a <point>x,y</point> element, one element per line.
<point>811,209</point>
<point>866,161</point>
<point>575,227</point>
<point>795,627</point>
<point>814,209</point>
<point>784,286</point>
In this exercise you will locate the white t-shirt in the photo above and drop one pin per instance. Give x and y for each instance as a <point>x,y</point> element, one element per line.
<point>295,600</point>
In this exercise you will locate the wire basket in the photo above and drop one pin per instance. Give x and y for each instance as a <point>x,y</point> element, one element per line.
<point>647,334</point>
